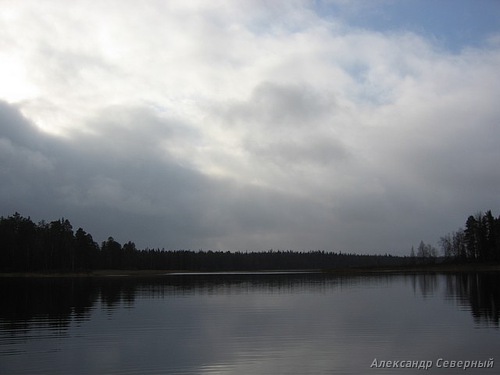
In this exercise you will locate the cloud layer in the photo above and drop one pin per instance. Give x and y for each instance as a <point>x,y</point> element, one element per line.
<point>243,126</point>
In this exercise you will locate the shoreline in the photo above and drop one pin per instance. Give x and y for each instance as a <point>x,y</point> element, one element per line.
<point>429,268</point>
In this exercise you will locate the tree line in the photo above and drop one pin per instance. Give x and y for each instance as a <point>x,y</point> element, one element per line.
<point>478,242</point>
<point>26,246</point>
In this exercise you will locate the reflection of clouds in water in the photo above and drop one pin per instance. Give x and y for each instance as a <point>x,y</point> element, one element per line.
<point>335,329</point>
<point>307,324</point>
<point>264,334</point>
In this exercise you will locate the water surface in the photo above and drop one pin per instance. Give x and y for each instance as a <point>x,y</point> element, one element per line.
<point>247,323</point>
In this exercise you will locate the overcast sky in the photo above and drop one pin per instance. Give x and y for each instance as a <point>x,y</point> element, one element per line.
<point>353,126</point>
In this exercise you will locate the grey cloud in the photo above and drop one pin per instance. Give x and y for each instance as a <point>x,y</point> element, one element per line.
<point>68,68</point>
<point>304,152</point>
<point>452,159</point>
<point>288,125</point>
<point>135,131</point>
<point>124,179</point>
<point>427,175</point>
<point>248,136</point>
<point>118,183</point>
<point>274,105</point>
<point>296,104</point>
<point>17,129</point>
<point>99,181</point>
<point>27,162</point>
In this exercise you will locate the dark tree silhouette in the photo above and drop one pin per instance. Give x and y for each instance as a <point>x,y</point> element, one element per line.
<point>86,251</point>
<point>112,254</point>
<point>54,247</point>
<point>479,241</point>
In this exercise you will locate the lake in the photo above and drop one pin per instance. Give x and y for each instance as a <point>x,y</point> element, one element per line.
<point>280,323</point>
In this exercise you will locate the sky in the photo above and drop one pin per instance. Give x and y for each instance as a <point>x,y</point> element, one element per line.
<point>353,126</point>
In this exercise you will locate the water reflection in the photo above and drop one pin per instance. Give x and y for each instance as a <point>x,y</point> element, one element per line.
<point>478,292</point>
<point>426,284</point>
<point>57,302</point>
<point>244,324</point>
<point>45,301</point>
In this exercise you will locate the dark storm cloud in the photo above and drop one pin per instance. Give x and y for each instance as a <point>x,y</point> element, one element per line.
<point>114,183</point>
<point>26,162</point>
<point>121,182</point>
<point>17,131</point>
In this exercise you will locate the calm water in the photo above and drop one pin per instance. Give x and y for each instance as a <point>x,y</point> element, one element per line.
<point>248,324</point>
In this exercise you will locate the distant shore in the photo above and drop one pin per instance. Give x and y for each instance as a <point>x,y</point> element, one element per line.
<point>427,268</point>
<point>436,268</point>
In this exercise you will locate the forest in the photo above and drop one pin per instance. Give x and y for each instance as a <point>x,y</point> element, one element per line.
<point>26,246</point>
<point>56,247</point>
<point>478,242</point>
